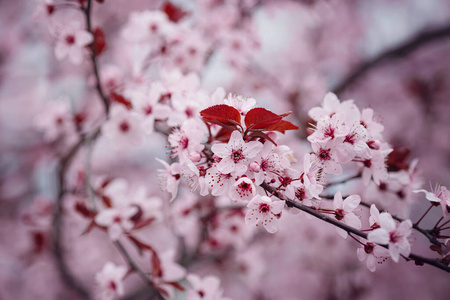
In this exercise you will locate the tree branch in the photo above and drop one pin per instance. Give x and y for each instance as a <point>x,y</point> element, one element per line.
<point>291,203</point>
<point>416,42</point>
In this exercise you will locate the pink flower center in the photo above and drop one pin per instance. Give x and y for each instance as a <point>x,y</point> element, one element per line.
<point>329,132</point>
<point>201,293</point>
<point>339,214</point>
<point>154,28</point>
<point>189,112</point>
<point>237,155</point>
<point>367,163</point>
<point>300,194</point>
<point>324,154</point>
<point>394,237</point>
<point>148,109</point>
<point>264,208</point>
<point>350,138</point>
<point>112,285</point>
<point>184,142</point>
<point>368,248</point>
<point>124,126</point>
<point>285,181</point>
<point>70,39</point>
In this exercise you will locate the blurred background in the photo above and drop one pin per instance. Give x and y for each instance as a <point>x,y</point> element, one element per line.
<point>391,55</point>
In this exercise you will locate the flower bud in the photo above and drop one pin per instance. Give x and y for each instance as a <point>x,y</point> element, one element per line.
<point>254,167</point>
<point>374,144</point>
<point>195,156</point>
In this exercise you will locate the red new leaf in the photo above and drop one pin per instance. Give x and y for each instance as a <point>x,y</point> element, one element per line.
<point>122,100</point>
<point>223,135</point>
<point>223,115</point>
<point>282,126</point>
<point>260,118</point>
<point>173,12</point>
<point>99,41</point>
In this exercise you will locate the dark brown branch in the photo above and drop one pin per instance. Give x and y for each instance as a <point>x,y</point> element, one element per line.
<point>426,232</point>
<point>419,40</point>
<point>291,203</point>
<point>98,86</point>
<point>58,251</point>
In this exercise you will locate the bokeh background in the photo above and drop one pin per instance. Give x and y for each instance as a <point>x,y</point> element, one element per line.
<point>293,53</point>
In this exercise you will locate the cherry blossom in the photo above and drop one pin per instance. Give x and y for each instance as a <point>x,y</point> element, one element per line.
<point>344,211</point>
<point>110,279</point>
<point>265,211</point>
<point>394,236</point>
<point>236,154</point>
<point>71,41</point>
<point>242,189</point>
<point>170,177</point>
<point>204,288</point>
<point>439,195</point>
<point>372,254</point>
<point>241,103</point>
<point>124,127</point>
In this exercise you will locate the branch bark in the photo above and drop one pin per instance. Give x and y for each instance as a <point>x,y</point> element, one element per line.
<point>416,42</point>
<point>291,203</point>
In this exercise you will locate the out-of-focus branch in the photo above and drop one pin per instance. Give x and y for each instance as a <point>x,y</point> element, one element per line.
<point>98,86</point>
<point>58,250</point>
<point>419,40</point>
<point>155,294</point>
<point>291,203</point>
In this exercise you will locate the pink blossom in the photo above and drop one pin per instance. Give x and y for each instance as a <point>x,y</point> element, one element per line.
<point>204,288</point>
<point>236,154</point>
<point>124,127</point>
<point>169,178</point>
<point>218,181</point>
<point>326,156</point>
<point>344,211</point>
<point>394,236</point>
<point>439,195</point>
<point>242,189</point>
<point>71,42</point>
<point>56,120</point>
<point>110,279</point>
<point>171,271</point>
<point>372,254</point>
<point>375,167</point>
<point>265,211</point>
<point>117,218</point>
<point>241,103</point>
<point>331,105</point>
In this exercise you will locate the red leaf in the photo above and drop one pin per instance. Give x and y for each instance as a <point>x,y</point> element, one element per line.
<point>84,210</point>
<point>223,135</point>
<point>39,241</point>
<point>107,201</point>
<point>141,245</point>
<point>122,100</point>
<point>223,115</point>
<point>99,41</point>
<point>260,118</point>
<point>88,229</point>
<point>176,285</point>
<point>156,265</point>
<point>173,12</point>
<point>282,126</point>
<point>143,223</point>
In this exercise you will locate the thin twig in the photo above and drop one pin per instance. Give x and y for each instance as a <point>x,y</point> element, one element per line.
<point>98,86</point>
<point>291,203</point>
